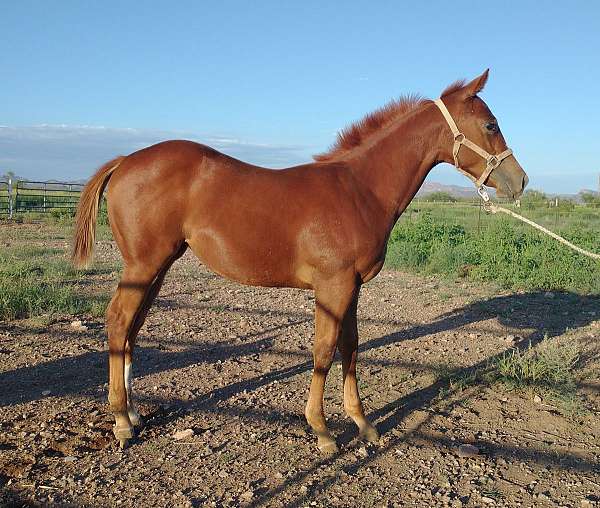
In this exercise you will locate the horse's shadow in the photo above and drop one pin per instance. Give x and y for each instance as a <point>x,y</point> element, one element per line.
<point>535,314</point>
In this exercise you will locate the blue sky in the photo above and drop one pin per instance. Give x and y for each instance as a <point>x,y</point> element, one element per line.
<point>272,82</point>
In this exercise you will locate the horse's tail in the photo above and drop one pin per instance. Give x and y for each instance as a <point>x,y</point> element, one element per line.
<point>87,212</point>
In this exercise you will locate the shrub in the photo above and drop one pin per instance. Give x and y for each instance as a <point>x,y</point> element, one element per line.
<point>511,256</point>
<point>440,196</point>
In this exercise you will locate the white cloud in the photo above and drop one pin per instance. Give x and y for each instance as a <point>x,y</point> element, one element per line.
<point>72,152</point>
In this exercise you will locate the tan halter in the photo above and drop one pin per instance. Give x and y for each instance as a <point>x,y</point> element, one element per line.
<point>491,161</point>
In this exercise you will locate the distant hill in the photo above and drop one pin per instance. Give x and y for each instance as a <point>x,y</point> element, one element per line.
<point>456,191</point>
<point>15,178</point>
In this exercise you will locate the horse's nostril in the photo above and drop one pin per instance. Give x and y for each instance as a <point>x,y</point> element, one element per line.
<point>525,182</point>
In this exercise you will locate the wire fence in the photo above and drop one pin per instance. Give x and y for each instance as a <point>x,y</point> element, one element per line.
<point>555,215</point>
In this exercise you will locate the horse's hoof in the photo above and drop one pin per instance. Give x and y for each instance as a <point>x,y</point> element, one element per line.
<point>123,443</point>
<point>123,433</point>
<point>369,434</point>
<point>328,448</point>
<point>135,419</point>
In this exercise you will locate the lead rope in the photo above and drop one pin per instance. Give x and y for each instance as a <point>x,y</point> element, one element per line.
<point>492,208</point>
<point>492,162</point>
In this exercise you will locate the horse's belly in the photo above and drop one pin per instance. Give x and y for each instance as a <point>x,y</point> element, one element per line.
<point>256,263</point>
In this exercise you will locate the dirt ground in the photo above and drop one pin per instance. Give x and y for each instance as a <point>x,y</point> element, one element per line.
<point>233,363</point>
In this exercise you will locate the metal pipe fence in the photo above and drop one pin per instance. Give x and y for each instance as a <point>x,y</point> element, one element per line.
<point>38,197</point>
<point>46,196</point>
<point>5,198</point>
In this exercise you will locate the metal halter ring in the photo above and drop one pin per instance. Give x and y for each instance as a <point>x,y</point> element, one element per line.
<point>483,194</point>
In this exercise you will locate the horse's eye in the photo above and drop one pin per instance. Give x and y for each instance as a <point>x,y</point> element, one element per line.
<point>492,127</point>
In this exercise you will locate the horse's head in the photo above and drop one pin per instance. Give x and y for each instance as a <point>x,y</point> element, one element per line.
<point>479,149</point>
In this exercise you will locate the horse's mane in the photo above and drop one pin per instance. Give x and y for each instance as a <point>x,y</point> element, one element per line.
<point>356,133</point>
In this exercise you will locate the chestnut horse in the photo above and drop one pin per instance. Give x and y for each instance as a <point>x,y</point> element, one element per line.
<point>322,226</point>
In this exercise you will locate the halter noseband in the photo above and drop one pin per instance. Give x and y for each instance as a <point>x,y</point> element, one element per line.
<point>491,161</point>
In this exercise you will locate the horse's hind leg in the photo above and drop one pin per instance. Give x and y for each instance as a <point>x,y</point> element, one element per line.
<point>134,416</point>
<point>140,317</point>
<point>120,316</point>
<point>348,346</point>
<point>125,315</point>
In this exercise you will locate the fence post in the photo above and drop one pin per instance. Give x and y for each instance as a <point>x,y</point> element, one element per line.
<point>10,204</point>
<point>44,196</point>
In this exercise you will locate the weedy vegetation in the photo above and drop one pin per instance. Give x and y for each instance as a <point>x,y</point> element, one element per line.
<point>500,251</point>
<point>548,369</point>
<point>549,366</point>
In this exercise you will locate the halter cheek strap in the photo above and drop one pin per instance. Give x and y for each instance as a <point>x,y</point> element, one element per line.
<point>491,161</point>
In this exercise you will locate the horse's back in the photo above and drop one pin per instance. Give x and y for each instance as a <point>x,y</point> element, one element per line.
<point>255,225</point>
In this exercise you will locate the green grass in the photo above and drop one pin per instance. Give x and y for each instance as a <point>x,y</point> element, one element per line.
<point>37,281</point>
<point>30,297</point>
<point>548,369</point>
<point>504,253</point>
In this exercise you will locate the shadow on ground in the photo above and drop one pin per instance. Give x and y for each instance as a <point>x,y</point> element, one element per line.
<point>81,373</point>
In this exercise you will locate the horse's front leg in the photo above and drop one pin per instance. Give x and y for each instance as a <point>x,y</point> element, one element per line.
<point>332,300</point>
<point>348,346</point>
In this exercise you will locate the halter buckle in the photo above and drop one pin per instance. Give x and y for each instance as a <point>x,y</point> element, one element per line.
<point>493,161</point>
<point>459,137</point>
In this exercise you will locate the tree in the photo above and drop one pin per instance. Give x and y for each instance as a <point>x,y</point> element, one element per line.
<point>590,198</point>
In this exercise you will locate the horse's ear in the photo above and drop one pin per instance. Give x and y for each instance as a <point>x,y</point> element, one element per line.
<point>474,87</point>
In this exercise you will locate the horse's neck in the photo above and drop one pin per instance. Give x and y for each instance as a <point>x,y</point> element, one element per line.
<point>394,167</point>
